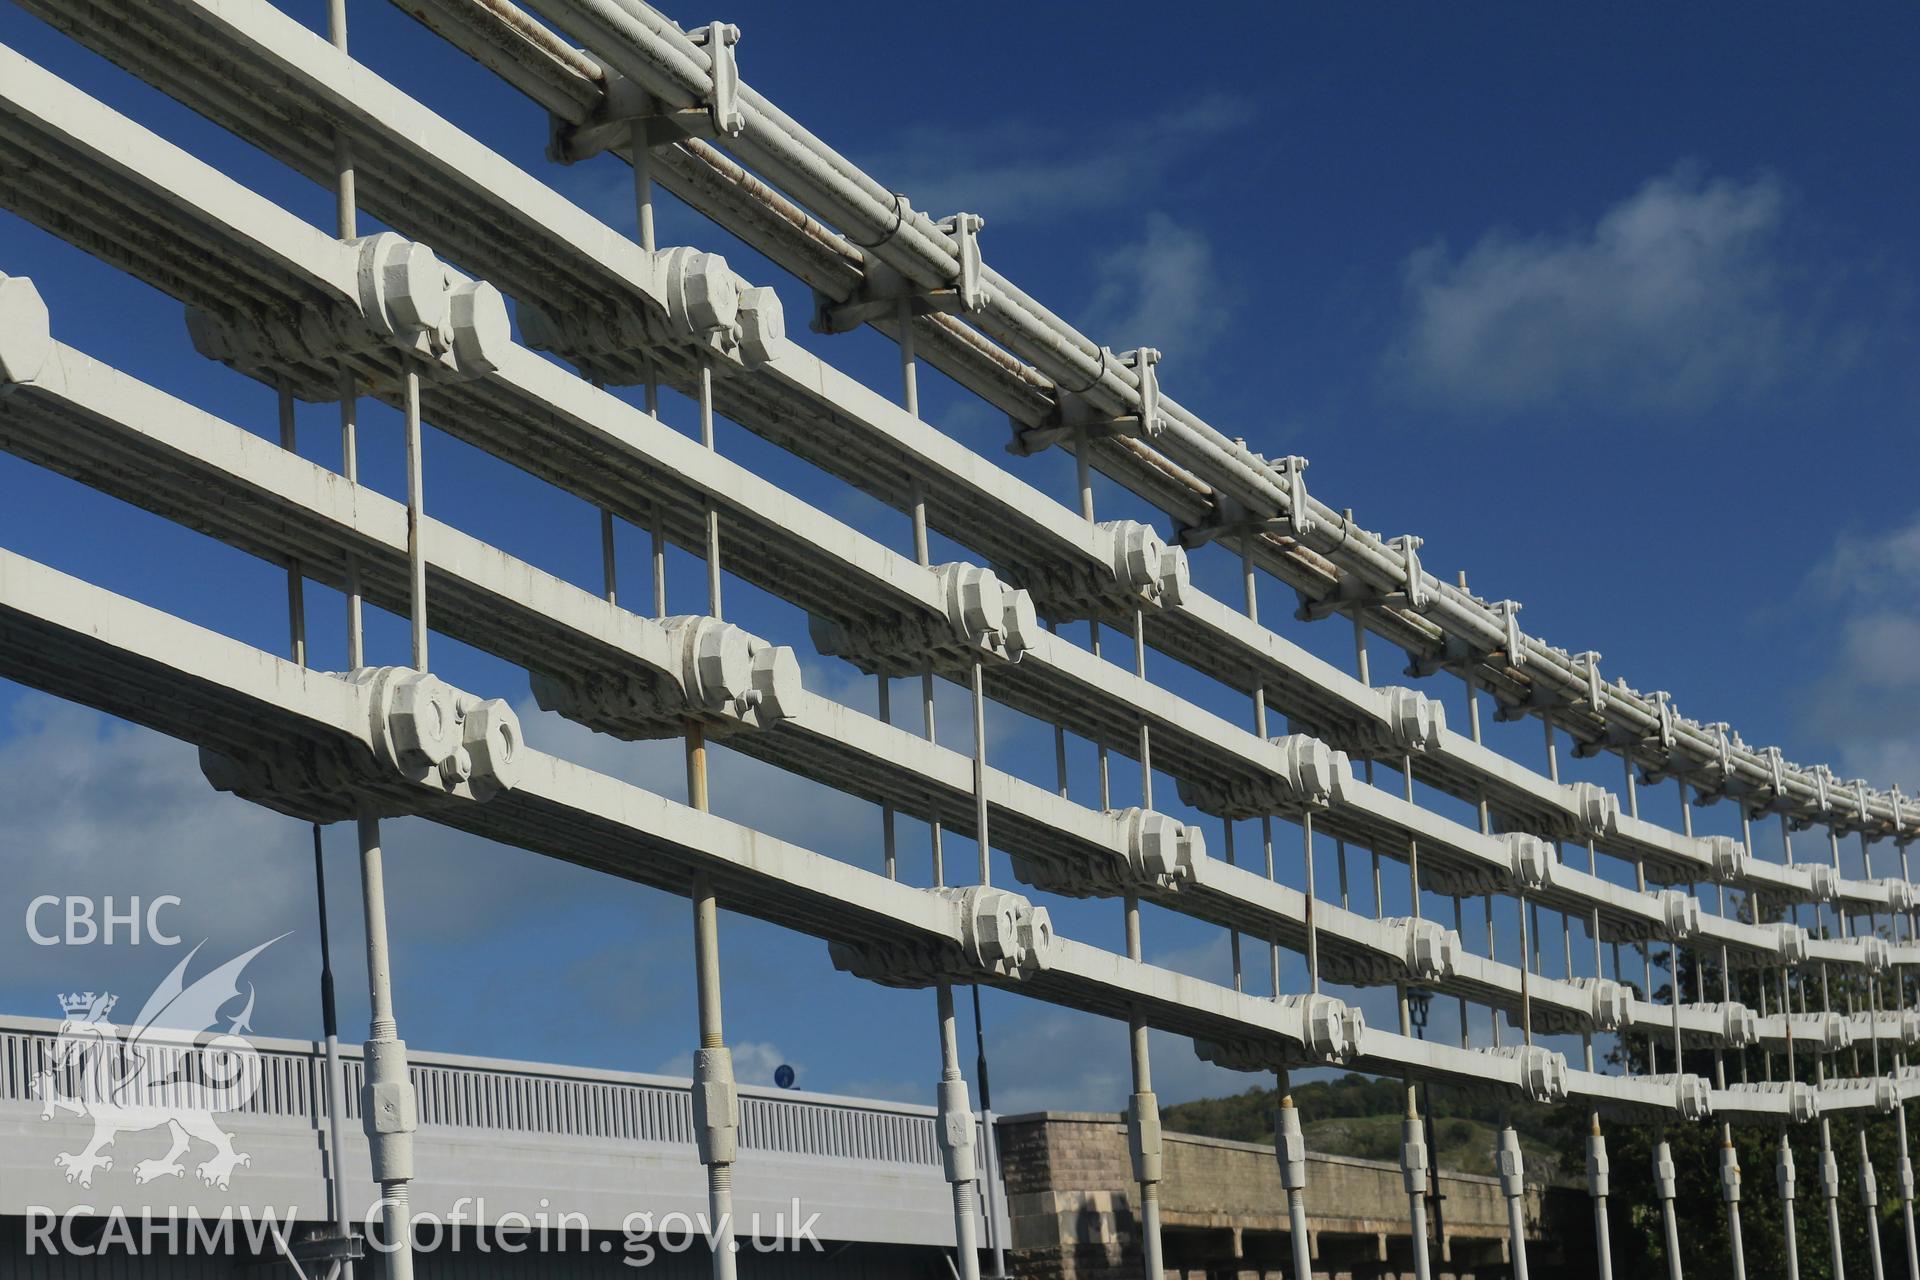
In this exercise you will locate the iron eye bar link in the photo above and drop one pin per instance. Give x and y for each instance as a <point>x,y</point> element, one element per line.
<point>1072,676</point>
<point>255,247</point>
<point>807,393</point>
<point>801,403</point>
<point>1024,358</point>
<point>111,431</point>
<point>829,419</point>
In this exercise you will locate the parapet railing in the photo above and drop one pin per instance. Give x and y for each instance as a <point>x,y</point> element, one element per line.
<point>457,1092</point>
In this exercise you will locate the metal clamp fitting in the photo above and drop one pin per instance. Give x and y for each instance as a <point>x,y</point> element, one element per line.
<point>426,744</point>
<point>1143,1136</point>
<point>1161,849</point>
<point>982,618</point>
<point>387,1110</point>
<point>953,1131</point>
<point>1154,569</point>
<point>716,1105</point>
<point>1293,474</point>
<point>723,106</point>
<point>1409,545</point>
<point>1531,861</point>
<point>1002,931</point>
<point>1508,611</point>
<point>1142,360</point>
<point>1431,948</point>
<point>1681,912</point>
<point>1153,852</point>
<point>1413,1156</point>
<point>1330,1028</point>
<point>1135,568</point>
<point>26,332</point>
<point>1612,1002</point>
<point>718,674</point>
<point>970,283</point>
<point>1308,775</point>
<point>1599,809</point>
<point>1589,663</point>
<point>1664,1173</point>
<point>1402,722</point>
<point>1729,858</point>
<point>1543,1072</point>
<point>999,933</point>
<point>1599,1167</point>
<point>1792,942</point>
<point>1510,1166</point>
<point>411,313</point>
<point>1290,1147</point>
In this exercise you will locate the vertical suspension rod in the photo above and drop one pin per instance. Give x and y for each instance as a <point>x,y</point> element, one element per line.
<point>386,1106</point>
<point>329,1012</point>
<point>1144,1126</point>
<point>716,1103</point>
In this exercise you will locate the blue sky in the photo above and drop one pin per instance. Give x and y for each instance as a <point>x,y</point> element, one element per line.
<point>1618,311</point>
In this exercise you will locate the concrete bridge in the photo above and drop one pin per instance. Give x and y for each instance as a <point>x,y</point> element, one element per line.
<point>1223,1210</point>
<point>582,1151</point>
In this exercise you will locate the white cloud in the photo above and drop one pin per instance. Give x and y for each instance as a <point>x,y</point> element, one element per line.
<point>1057,1059</point>
<point>754,1062</point>
<point>1044,1057</point>
<point>1868,700</point>
<point>1676,296</point>
<point>743,789</point>
<point>96,810</point>
<point>1865,567</point>
<point>1162,287</point>
<point>1021,170</point>
<point>1161,290</point>
<point>99,808</point>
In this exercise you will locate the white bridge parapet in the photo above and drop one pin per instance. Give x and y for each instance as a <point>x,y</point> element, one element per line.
<point>511,1137</point>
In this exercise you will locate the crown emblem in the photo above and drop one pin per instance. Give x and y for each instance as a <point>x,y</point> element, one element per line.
<point>86,1003</point>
